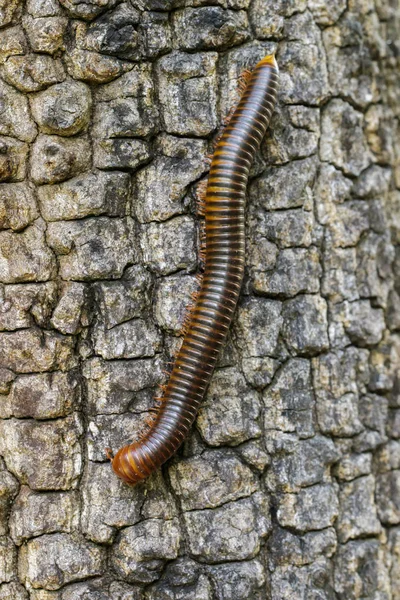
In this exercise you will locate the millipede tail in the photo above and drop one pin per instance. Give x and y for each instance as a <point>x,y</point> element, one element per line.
<point>211,316</point>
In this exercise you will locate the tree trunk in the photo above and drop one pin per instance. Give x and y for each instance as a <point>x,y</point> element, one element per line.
<point>289,484</point>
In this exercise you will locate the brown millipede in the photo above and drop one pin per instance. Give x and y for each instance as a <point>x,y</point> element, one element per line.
<point>212,313</point>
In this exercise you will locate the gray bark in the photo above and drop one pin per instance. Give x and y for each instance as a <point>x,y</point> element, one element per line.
<point>289,484</point>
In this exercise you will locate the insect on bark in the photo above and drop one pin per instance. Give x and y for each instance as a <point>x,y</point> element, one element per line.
<point>212,313</point>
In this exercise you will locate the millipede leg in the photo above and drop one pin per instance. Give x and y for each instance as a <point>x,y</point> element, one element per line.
<point>109,453</point>
<point>243,80</point>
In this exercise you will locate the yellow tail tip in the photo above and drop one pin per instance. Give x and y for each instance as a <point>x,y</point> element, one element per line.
<point>269,60</point>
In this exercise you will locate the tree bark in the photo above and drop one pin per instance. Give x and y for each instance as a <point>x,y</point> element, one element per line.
<point>289,484</point>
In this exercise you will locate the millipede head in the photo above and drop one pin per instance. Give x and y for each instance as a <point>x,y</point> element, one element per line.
<point>127,465</point>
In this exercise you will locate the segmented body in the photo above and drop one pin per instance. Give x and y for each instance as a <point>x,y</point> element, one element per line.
<point>213,311</point>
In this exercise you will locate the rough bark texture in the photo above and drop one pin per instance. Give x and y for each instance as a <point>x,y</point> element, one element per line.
<point>289,485</point>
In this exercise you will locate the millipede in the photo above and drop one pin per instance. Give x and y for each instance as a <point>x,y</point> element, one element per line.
<point>223,205</point>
